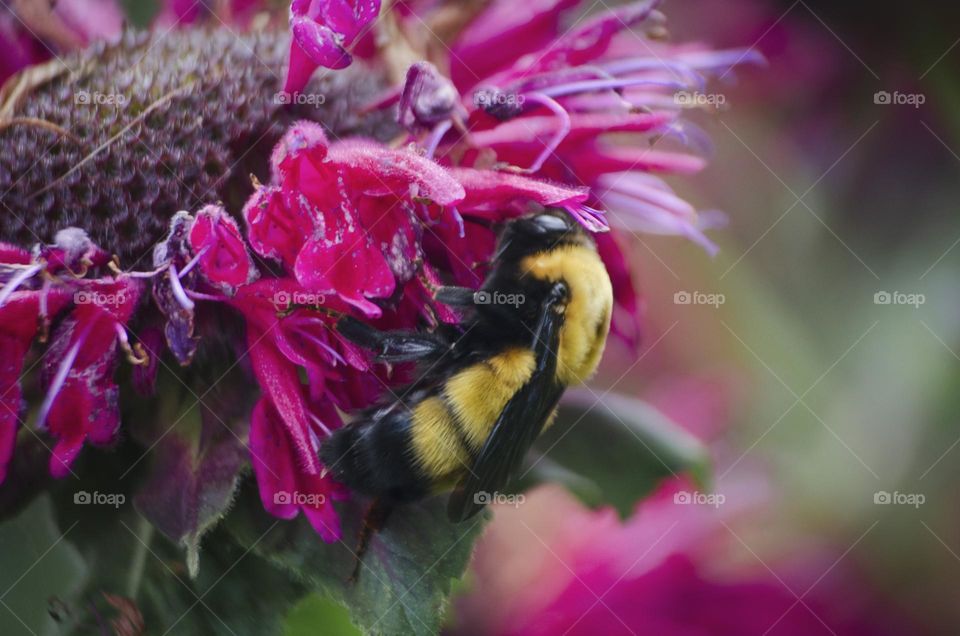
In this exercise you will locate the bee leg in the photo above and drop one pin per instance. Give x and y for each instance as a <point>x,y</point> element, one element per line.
<point>392,346</point>
<point>456,296</point>
<point>373,521</point>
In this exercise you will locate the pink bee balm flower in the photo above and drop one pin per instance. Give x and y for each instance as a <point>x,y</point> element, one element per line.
<point>322,31</point>
<point>365,205</point>
<point>538,99</point>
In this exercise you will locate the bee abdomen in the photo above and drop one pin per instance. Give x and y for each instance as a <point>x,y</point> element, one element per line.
<point>373,457</point>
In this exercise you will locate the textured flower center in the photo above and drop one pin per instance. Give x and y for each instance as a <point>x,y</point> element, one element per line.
<point>129,134</point>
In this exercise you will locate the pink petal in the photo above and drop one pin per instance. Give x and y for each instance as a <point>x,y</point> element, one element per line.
<point>377,169</point>
<point>353,270</point>
<point>305,139</point>
<point>489,191</point>
<point>272,460</point>
<point>324,520</point>
<point>347,18</point>
<point>627,314</point>
<point>225,261</point>
<point>502,34</point>
<point>313,46</point>
<point>281,382</point>
<point>275,231</point>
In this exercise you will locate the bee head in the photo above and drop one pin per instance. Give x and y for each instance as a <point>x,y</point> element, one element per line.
<point>539,232</point>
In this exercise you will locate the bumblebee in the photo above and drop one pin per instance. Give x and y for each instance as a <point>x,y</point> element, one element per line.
<point>491,384</point>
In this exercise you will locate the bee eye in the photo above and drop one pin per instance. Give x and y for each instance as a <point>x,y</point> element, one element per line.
<point>549,223</point>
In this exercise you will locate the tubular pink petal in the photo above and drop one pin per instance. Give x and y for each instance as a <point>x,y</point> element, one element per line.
<point>319,43</point>
<point>562,131</point>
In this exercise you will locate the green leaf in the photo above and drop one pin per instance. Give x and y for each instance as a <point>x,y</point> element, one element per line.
<point>316,614</point>
<point>236,593</point>
<point>407,572</point>
<point>38,566</point>
<point>614,451</point>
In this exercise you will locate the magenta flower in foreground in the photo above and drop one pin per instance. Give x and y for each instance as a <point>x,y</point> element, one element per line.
<point>551,566</point>
<point>522,114</point>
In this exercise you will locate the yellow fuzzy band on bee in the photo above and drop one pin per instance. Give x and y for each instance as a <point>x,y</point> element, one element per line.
<point>436,443</point>
<point>587,319</point>
<point>479,393</point>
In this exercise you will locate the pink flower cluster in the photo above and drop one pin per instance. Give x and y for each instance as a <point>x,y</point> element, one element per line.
<point>528,113</point>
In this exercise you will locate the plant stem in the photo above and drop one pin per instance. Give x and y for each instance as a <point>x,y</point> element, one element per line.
<point>139,558</point>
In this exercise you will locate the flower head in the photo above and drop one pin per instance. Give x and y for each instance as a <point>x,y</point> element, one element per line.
<point>345,217</point>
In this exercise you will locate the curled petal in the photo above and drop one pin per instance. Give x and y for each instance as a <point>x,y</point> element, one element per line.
<point>319,43</point>
<point>216,239</point>
<point>321,31</point>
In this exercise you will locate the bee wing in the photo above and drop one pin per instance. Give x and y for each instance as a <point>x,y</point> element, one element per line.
<point>520,422</point>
